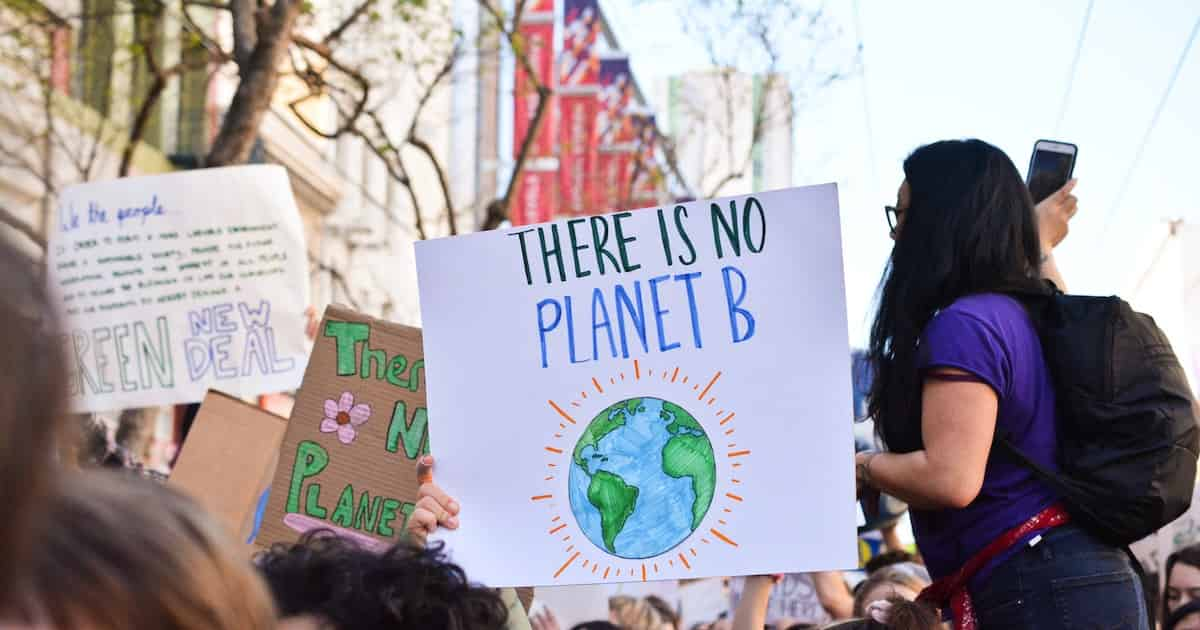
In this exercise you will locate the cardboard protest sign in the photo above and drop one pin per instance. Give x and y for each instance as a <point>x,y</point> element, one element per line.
<point>172,284</point>
<point>228,461</point>
<point>645,395</point>
<point>348,461</point>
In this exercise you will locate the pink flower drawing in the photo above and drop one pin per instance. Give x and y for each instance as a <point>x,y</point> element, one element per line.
<point>344,417</point>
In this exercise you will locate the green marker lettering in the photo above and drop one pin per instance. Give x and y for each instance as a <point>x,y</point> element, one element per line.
<point>412,432</point>
<point>395,369</point>
<point>386,516</point>
<point>367,514</point>
<point>375,359</point>
<point>311,459</point>
<point>312,502</point>
<point>407,510</point>
<point>348,335</point>
<point>343,515</point>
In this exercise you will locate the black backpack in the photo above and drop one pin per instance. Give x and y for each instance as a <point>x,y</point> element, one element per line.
<point>1128,439</point>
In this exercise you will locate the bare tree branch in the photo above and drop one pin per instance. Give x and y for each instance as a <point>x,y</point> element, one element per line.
<point>139,122</point>
<point>11,220</point>
<point>350,20</point>
<point>426,149</point>
<point>259,76</point>
<point>498,211</point>
<point>392,157</point>
<point>245,33</point>
<point>340,280</point>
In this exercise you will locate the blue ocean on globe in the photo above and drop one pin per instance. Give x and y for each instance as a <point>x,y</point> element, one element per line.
<point>663,512</point>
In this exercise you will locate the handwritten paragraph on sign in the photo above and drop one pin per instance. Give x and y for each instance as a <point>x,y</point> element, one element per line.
<point>173,284</point>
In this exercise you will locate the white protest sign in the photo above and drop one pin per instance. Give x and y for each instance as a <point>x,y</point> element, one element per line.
<point>793,600</point>
<point>172,284</point>
<point>645,395</point>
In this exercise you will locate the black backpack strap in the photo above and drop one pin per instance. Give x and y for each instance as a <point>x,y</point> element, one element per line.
<point>1068,494</point>
<point>1056,482</point>
<point>1051,479</point>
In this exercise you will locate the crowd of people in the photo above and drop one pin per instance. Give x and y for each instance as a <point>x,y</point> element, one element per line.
<point>956,362</point>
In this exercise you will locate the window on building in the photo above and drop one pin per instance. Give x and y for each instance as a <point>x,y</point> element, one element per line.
<point>97,42</point>
<point>147,37</point>
<point>193,127</point>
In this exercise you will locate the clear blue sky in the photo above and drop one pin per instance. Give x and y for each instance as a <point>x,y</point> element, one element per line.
<point>996,71</point>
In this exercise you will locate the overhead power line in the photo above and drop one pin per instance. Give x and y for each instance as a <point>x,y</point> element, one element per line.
<point>1162,104</point>
<point>1062,110</point>
<point>865,100</point>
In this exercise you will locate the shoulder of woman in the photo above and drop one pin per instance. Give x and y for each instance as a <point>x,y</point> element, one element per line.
<point>993,311</point>
<point>986,305</point>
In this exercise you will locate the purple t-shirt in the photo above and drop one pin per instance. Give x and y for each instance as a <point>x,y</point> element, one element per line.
<point>992,337</point>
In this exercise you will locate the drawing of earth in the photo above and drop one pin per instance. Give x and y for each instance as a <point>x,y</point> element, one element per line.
<point>642,477</point>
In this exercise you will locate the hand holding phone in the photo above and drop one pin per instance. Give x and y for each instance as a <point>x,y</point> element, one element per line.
<point>1050,168</point>
<point>1054,214</point>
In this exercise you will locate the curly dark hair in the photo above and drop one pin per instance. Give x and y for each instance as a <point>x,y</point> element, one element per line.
<point>346,586</point>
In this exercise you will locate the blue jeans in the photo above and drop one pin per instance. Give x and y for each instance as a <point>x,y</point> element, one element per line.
<point>1068,580</point>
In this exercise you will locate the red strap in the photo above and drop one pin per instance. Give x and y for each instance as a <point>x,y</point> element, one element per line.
<point>952,590</point>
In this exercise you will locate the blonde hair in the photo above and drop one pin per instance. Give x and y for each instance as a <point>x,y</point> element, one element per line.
<point>631,613</point>
<point>120,551</point>
<point>891,575</point>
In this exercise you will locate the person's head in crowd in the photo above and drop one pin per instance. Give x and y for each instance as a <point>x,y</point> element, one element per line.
<point>664,610</point>
<point>887,584</point>
<point>887,559</point>
<point>1182,577</point>
<point>963,223</point>
<point>1186,617</point>
<point>122,551</point>
<point>333,583</point>
<point>33,396</point>
<point>893,614</point>
<point>631,613</point>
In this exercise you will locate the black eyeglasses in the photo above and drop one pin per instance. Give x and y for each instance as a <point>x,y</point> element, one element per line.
<point>893,217</point>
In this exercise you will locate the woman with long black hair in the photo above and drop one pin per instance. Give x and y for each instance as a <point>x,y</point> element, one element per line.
<point>958,362</point>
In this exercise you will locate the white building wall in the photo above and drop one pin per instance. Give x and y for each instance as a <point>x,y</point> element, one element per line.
<point>711,115</point>
<point>777,147</point>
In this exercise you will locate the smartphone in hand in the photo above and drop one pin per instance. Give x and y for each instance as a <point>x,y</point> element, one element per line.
<point>1050,167</point>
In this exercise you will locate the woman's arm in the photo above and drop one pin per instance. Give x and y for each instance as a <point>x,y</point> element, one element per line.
<point>958,420</point>
<point>751,613</point>
<point>1050,272</point>
<point>834,595</point>
<point>1054,216</point>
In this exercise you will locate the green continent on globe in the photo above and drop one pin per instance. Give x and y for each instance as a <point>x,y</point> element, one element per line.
<point>679,419</point>
<point>692,456</point>
<point>615,500</point>
<point>604,423</point>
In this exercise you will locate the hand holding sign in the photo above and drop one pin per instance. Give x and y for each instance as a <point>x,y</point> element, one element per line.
<point>434,507</point>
